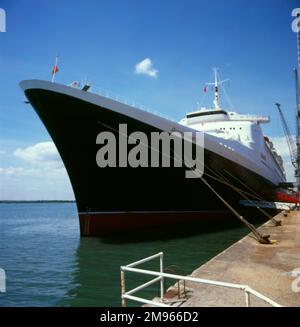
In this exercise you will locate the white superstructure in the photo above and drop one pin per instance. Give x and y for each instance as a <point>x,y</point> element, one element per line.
<point>239,133</point>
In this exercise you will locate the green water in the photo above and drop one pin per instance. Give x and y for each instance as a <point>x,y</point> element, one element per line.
<point>48,264</point>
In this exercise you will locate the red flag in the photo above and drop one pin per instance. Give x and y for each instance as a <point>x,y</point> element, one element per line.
<point>55,69</point>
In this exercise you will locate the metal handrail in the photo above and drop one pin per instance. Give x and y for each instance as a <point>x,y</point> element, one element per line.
<point>160,276</point>
<point>119,98</point>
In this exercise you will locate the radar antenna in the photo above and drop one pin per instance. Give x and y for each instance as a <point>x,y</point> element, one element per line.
<point>216,85</point>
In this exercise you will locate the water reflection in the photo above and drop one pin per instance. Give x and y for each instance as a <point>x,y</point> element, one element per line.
<point>98,260</point>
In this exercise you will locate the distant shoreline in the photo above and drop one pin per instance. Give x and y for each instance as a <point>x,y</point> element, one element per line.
<point>37,201</point>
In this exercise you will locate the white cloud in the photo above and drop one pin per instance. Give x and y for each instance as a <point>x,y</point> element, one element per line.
<point>11,170</point>
<point>145,67</point>
<point>44,153</point>
<point>281,146</point>
<point>37,183</point>
<point>42,177</point>
<point>33,172</point>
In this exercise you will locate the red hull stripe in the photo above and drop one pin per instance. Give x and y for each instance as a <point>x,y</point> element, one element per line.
<point>283,197</point>
<point>98,224</point>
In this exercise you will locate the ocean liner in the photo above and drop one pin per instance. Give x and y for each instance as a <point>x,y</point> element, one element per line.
<point>238,159</point>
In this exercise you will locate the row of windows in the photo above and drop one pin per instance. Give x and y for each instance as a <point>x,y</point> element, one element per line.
<point>231,128</point>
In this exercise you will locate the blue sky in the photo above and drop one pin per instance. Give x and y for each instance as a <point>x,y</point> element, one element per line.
<point>251,42</point>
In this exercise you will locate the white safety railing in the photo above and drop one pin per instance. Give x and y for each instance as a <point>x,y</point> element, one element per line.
<point>161,276</point>
<point>119,98</point>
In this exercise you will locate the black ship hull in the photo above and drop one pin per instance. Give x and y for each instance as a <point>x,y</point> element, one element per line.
<point>114,199</point>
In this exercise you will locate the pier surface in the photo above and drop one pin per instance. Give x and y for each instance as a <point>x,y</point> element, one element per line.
<point>268,269</point>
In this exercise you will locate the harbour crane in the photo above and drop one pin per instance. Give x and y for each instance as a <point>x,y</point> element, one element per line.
<point>292,145</point>
<point>297,72</point>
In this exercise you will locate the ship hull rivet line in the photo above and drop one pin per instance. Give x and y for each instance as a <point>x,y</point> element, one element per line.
<point>263,239</point>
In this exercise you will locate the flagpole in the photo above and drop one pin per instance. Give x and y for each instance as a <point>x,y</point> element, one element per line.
<point>54,72</point>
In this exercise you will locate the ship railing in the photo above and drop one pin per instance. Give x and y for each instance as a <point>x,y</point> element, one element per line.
<point>161,276</point>
<point>119,98</point>
<point>241,117</point>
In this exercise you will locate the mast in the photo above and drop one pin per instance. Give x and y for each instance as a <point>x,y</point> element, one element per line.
<point>216,85</point>
<point>54,70</point>
<point>298,42</point>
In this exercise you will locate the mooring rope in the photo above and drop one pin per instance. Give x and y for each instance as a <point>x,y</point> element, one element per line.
<point>245,185</point>
<point>276,222</point>
<point>264,239</point>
